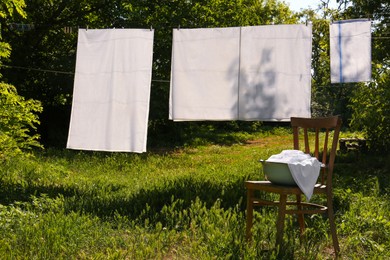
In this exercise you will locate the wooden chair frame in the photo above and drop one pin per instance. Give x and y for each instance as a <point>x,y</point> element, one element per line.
<point>324,185</point>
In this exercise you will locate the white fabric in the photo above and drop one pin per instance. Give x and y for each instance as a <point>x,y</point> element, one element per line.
<point>204,75</point>
<point>304,169</point>
<point>248,73</point>
<point>275,72</point>
<point>350,51</point>
<point>111,90</point>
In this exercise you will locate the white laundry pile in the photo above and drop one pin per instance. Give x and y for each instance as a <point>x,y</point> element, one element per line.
<point>241,73</point>
<point>304,169</point>
<point>111,90</point>
<point>350,51</point>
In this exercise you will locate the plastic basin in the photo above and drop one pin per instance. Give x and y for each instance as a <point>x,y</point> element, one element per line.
<point>278,173</point>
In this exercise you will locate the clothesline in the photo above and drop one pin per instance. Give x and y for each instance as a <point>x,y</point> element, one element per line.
<point>41,70</point>
<point>153,80</point>
<point>206,83</point>
<point>59,72</point>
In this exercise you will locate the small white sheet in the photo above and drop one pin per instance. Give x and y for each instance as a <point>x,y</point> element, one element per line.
<point>304,169</point>
<point>350,51</point>
<point>111,90</point>
<point>204,75</point>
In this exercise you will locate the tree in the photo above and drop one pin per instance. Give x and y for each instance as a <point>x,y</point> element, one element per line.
<point>43,61</point>
<point>364,106</point>
<point>165,16</point>
<point>51,48</point>
<point>8,8</point>
<point>370,102</point>
<point>17,115</point>
<point>17,118</point>
<point>327,99</point>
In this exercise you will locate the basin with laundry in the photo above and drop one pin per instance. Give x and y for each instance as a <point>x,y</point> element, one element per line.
<point>292,167</point>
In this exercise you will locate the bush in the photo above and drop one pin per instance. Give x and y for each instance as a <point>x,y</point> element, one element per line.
<point>371,106</point>
<point>18,120</point>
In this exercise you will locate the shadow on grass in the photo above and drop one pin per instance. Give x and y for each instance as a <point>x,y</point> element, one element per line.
<point>106,201</point>
<point>364,173</point>
<point>357,172</point>
<point>196,133</point>
<point>16,192</point>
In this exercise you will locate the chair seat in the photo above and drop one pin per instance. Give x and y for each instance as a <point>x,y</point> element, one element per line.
<point>282,189</point>
<point>268,186</point>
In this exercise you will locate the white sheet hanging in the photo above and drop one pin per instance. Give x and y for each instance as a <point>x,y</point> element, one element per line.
<point>275,72</point>
<point>204,75</point>
<point>111,90</point>
<point>248,73</point>
<point>350,51</point>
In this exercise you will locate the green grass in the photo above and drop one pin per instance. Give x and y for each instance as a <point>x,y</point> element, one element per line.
<point>180,203</point>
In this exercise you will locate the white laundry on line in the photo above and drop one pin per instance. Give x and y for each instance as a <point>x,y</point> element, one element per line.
<point>275,72</point>
<point>204,75</point>
<point>350,51</point>
<point>241,73</point>
<point>111,95</point>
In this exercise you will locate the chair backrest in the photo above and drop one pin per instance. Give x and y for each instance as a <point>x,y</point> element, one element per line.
<point>315,126</point>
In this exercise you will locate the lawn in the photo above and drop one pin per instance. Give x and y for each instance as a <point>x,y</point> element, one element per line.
<point>184,202</point>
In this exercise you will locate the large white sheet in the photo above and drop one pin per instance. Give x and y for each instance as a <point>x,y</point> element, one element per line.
<point>204,77</point>
<point>275,72</point>
<point>248,73</point>
<point>350,51</point>
<point>111,90</point>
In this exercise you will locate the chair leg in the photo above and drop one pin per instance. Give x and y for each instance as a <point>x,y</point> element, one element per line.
<point>332,225</point>
<point>249,214</point>
<point>301,219</point>
<point>280,221</point>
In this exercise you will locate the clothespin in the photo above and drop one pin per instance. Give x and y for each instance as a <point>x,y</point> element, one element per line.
<point>178,27</point>
<point>151,28</point>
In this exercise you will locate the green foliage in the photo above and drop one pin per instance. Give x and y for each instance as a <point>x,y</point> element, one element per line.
<point>17,115</point>
<point>9,7</point>
<point>5,50</point>
<point>41,230</point>
<point>362,106</point>
<point>165,16</point>
<point>371,104</point>
<point>327,99</point>
<point>52,48</point>
<point>369,229</point>
<point>17,118</point>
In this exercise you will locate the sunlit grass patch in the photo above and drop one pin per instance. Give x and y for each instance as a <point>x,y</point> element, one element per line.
<point>185,203</point>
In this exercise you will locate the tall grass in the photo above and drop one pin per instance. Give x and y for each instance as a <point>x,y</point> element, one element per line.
<point>182,203</point>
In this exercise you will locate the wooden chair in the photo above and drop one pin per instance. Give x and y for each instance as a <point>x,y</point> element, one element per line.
<point>294,204</point>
